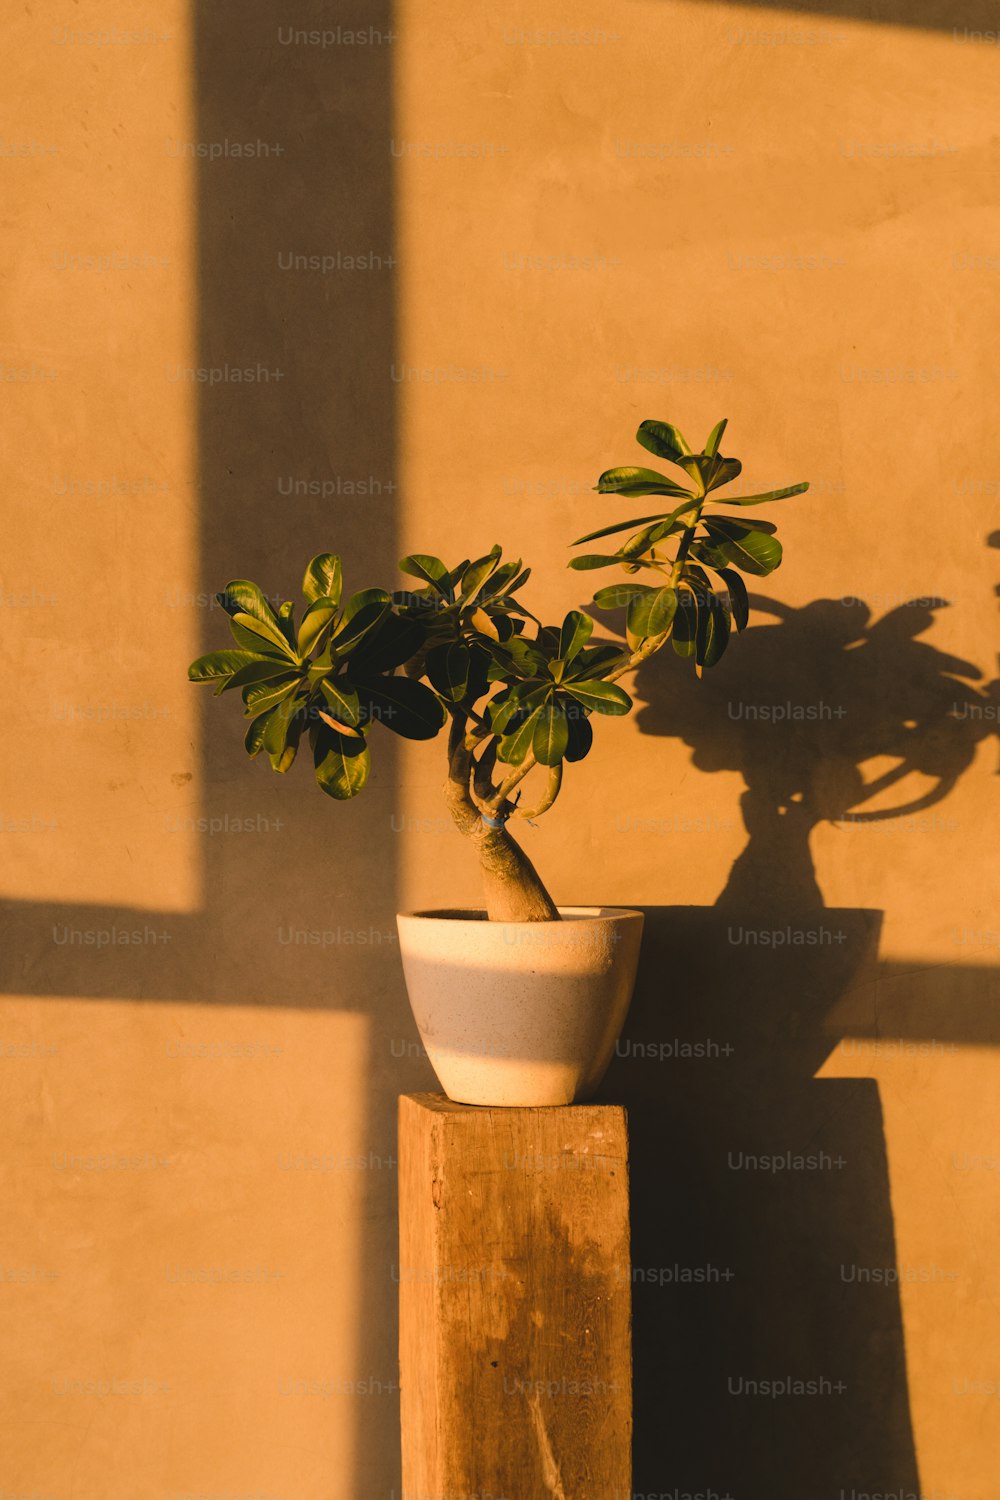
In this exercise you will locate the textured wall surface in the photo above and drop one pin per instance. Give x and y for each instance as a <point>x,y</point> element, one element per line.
<point>563,221</point>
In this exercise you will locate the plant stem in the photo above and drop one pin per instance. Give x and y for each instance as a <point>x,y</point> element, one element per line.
<point>682,551</point>
<point>514,892</point>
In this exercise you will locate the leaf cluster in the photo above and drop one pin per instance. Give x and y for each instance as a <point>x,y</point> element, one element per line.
<point>693,549</point>
<point>460,646</point>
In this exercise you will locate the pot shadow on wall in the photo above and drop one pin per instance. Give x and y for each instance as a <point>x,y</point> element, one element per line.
<point>757,1189</point>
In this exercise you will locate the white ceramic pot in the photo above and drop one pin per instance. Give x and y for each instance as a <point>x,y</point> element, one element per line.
<point>520,1013</point>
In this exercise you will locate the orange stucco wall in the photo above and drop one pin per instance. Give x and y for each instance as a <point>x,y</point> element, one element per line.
<point>594,214</point>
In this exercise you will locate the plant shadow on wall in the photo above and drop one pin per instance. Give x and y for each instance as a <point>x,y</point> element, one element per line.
<point>759,1190</point>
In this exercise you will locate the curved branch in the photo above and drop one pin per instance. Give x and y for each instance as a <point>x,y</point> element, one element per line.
<point>551,793</point>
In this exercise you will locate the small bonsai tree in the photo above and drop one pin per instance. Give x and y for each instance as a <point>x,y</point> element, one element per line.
<point>461,649</point>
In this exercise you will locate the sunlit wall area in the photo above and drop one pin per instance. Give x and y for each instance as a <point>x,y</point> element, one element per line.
<point>180,1254</point>
<point>99,464</point>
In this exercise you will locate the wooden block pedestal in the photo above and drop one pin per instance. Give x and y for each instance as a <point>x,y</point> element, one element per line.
<point>514,1302</point>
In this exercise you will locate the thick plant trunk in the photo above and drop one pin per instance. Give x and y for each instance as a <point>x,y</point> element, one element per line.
<point>513,889</point>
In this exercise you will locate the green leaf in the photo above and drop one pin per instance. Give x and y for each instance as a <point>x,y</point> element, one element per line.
<point>715,438</point>
<point>739,603</point>
<point>343,700</point>
<point>594,536</point>
<point>276,733</point>
<point>713,631</point>
<point>449,580</point>
<point>709,471</point>
<point>636,618</point>
<point>523,697</point>
<point>663,439</point>
<point>323,578</point>
<point>342,763</point>
<point>514,747</point>
<point>257,645</point>
<point>593,560</point>
<point>286,759</point>
<point>745,523</point>
<point>477,573</point>
<point>354,627</point>
<point>479,667</point>
<point>320,666</point>
<point>576,631</point>
<point>581,736</point>
<point>402,704</point>
<point>551,733</point>
<point>220,664</point>
<point>448,670</point>
<point>704,551</point>
<point>650,615</point>
<point>253,740</point>
<point>395,641</point>
<point>422,565</point>
<point>691,572</point>
<point>600,697</point>
<point>661,524</point>
<point>682,510</point>
<point>662,611</point>
<point>503,618</point>
<point>317,619</point>
<point>528,658</point>
<point>264,695</point>
<point>792,489</point>
<point>500,579</point>
<point>632,482</point>
<point>286,622</point>
<point>416,601</point>
<point>594,660</point>
<point>483,623</point>
<point>260,636</point>
<point>641,543</point>
<point>362,600</point>
<point>265,669</point>
<point>722,471</point>
<point>645,541</point>
<point>685,629</point>
<point>751,551</point>
<point>243,597</point>
<point>620,595</point>
<point>502,664</point>
<point>500,710</point>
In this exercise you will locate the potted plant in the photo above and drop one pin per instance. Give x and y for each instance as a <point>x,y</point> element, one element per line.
<point>521,1003</point>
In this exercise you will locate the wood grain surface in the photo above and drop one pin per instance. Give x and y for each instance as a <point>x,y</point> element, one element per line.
<point>515,1302</point>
